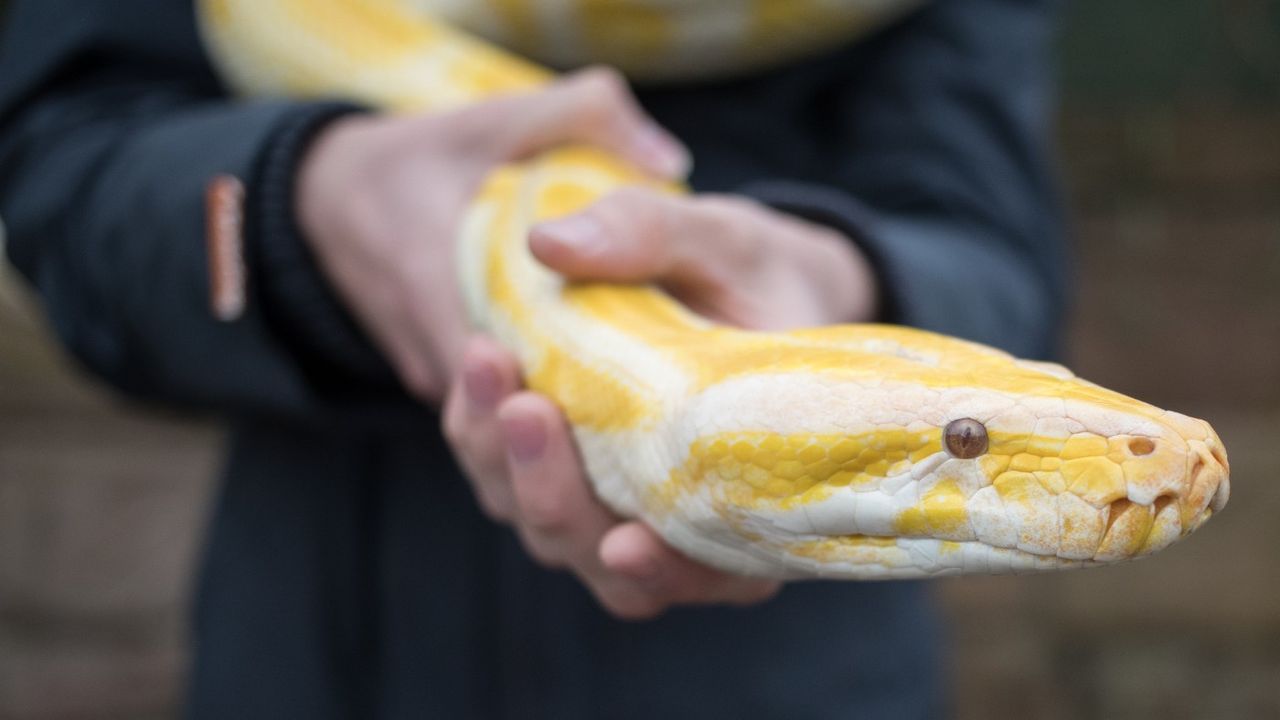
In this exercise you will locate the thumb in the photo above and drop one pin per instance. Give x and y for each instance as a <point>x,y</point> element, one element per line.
<point>594,107</point>
<point>637,234</point>
<point>624,237</point>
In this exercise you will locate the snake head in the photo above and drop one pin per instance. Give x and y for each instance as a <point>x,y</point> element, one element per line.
<point>905,469</point>
<point>1093,476</point>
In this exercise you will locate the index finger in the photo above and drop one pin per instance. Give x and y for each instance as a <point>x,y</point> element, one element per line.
<point>559,514</point>
<point>593,107</point>
<point>634,550</point>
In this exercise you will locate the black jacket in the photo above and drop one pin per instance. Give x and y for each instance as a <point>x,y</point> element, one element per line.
<point>348,572</point>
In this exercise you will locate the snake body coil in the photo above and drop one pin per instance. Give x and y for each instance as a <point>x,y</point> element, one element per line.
<point>860,451</point>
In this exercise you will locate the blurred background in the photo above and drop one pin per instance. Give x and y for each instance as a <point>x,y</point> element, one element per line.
<point>1170,142</point>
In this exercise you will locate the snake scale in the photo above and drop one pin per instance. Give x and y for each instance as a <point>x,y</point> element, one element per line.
<point>854,451</point>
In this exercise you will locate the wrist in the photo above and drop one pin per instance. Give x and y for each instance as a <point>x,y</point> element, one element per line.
<point>321,182</point>
<point>297,298</point>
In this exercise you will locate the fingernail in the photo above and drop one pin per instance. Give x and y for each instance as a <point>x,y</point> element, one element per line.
<point>579,233</point>
<point>481,382</point>
<point>661,154</point>
<point>618,553</point>
<point>526,439</point>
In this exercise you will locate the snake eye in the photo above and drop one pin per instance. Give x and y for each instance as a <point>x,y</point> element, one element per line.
<point>965,438</point>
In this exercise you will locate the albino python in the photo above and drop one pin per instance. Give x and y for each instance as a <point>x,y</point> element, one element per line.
<point>855,451</point>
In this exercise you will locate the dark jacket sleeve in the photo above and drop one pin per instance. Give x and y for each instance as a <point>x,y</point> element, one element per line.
<point>930,152</point>
<point>111,125</point>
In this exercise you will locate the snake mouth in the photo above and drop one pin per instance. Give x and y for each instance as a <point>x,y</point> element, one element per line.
<point>889,557</point>
<point>1078,534</point>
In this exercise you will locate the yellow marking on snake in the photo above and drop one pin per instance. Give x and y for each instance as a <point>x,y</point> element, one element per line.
<point>812,453</point>
<point>940,513</point>
<point>752,469</point>
<point>842,549</point>
<point>591,397</point>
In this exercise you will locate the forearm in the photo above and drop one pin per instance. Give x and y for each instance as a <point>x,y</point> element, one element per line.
<point>103,192</point>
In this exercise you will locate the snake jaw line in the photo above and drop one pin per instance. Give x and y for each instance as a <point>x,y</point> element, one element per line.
<point>875,502</point>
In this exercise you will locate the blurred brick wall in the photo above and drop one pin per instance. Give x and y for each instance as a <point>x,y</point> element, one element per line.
<point>1178,238</point>
<point>1171,146</point>
<point>1170,141</point>
<point>100,508</point>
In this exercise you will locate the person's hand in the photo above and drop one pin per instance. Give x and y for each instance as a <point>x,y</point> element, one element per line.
<point>729,258</point>
<point>726,257</point>
<point>524,467</point>
<point>380,198</point>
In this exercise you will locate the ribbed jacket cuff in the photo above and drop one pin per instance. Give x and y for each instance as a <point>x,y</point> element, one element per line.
<point>297,299</point>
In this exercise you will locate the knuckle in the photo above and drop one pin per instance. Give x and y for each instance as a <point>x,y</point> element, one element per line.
<point>547,515</point>
<point>540,551</point>
<point>452,424</point>
<point>754,594</point>
<point>607,82</point>
<point>734,214</point>
<point>631,197</point>
<point>494,505</point>
<point>596,111</point>
<point>416,377</point>
<point>626,210</point>
<point>737,223</point>
<point>603,95</point>
<point>726,206</point>
<point>632,607</point>
<point>421,386</point>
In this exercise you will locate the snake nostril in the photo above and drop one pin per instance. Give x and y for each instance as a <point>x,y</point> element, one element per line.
<point>1142,446</point>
